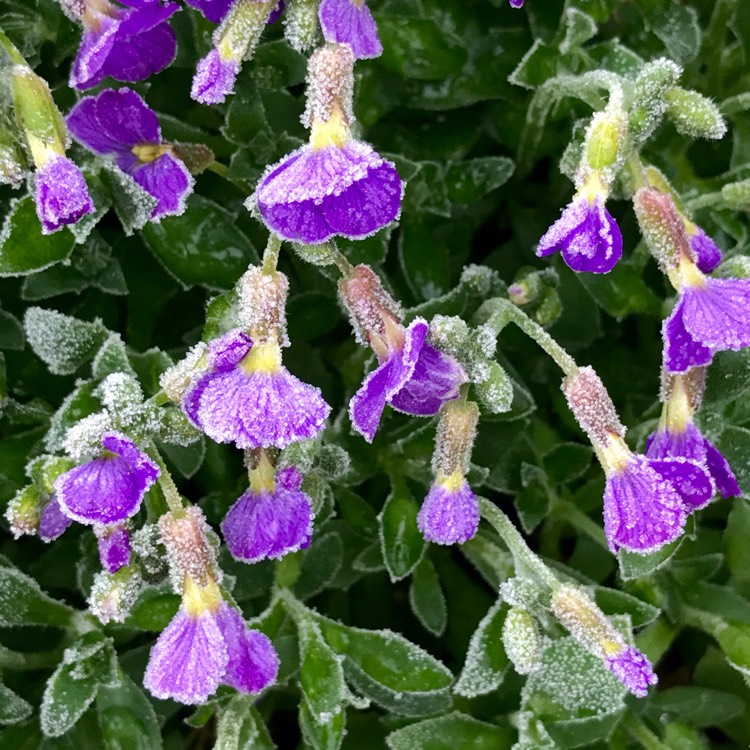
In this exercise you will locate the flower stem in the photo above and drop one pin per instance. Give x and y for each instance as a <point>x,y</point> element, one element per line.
<point>497,313</point>
<point>639,731</point>
<point>218,168</point>
<point>522,555</point>
<point>166,483</point>
<point>271,254</point>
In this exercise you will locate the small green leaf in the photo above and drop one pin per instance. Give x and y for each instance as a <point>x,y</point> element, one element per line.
<point>326,735</point>
<point>468,181</point>
<point>321,675</point>
<point>22,602</point>
<point>126,717</point>
<point>450,733</point>
<point>13,708</point>
<point>401,541</point>
<point>427,599</point>
<point>240,726</point>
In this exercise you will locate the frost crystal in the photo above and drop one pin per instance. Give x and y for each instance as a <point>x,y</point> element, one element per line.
<point>301,24</point>
<point>175,380</point>
<point>113,595</point>
<point>330,84</point>
<point>84,438</point>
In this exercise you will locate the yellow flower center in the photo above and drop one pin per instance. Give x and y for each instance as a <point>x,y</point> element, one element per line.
<point>265,357</point>
<point>198,599</point>
<point>332,132</point>
<point>263,476</point>
<point>148,152</point>
<point>615,456</point>
<point>593,188</point>
<point>452,482</point>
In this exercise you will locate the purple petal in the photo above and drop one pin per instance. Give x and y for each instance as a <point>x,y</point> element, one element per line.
<point>367,404</point>
<point>53,522</point>
<point>214,78</point>
<point>229,350</point>
<point>718,314</point>
<point>721,471</point>
<point>707,253</point>
<point>253,661</point>
<point>110,488</point>
<point>681,350</point>
<point>60,194</point>
<point>449,516</point>
<point>114,548</point>
<point>113,122</point>
<point>137,57</point>
<point>633,670</point>
<point>587,235</point>
<point>642,510</point>
<point>516,3</point>
<point>276,13</point>
<point>213,10</point>
<point>313,194</point>
<point>188,660</point>
<point>688,443</point>
<point>96,45</point>
<point>168,180</point>
<point>350,22</point>
<point>289,478</point>
<point>268,524</point>
<point>256,409</point>
<point>690,479</point>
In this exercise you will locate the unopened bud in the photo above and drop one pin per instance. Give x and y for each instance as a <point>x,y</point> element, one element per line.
<point>113,595</point>
<point>662,228</point>
<point>197,157</point>
<point>23,512</point>
<point>262,299</point>
<point>147,544</point>
<point>301,24</point>
<point>188,549</point>
<point>44,470</point>
<point>605,137</point>
<point>580,616</point>
<point>455,437</point>
<point>592,406</point>
<point>694,115</point>
<point>449,333</point>
<point>550,308</point>
<point>175,380</point>
<point>737,195</point>
<point>330,85</point>
<point>13,168</point>
<point>649,105</point>
<point>368,304</point>
<point>522,641</point>
<point>239,33</point>
<point>496,392</point>
<point>114,546</point>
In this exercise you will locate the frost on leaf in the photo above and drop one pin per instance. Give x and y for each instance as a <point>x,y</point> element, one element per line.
<point>13,708</point>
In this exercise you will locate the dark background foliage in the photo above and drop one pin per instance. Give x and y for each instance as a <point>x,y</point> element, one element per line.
<point>458,101</point>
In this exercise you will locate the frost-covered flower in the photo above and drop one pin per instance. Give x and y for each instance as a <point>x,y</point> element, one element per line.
<point>707,253</point>
<point>335,185</point>
<point>632,669</point>
<point>516,3</point>
<point>450,512</point>
<point>109,488</point>
<point>114,546</point>
<point>711,315</point>
<point>249,398</point>
<point>127,43</point>
<point>121,125</point>
<point>52,521</point>
<point>214,78</point>
<point>61,195</point>
<point>213,10</point>
<point>350,22</point>
<point>273,518</point>
<point>586,234</point>
<point>206,644</point>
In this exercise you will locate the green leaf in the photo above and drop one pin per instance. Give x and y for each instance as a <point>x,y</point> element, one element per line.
<point>240,726</point>
<point>326,735</point>
<point>13,708</point>
<point>614,602</point>
<point>697,705</point>
<point>154,610</point>
<point>728,378</point>
<point>79,403</point>
<point>486,660</point>
<point>734,443</point>
<point>23,248</point>
<point>449,733</point>
<point>427,599</point>
<point>201,246</point>
<point>22,602</point>
<point>375,662</point>
<point>132,204</point>
<point>126,717</point>
<point>88,664</point>
<point>401,541</point>
<point>11,332</point>
<point>111,357</point>
<point>677,26</point>
<point>634,565</point>
<point>567,462</point>
<point>321,676</point>
<point>468,181</point>
<point>622,292</point>
<point>735,539</point>
<point>320,564</point>
<point>62,342</point>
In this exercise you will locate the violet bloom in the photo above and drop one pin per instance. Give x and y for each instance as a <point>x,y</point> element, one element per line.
<point>586,234</point>
<point>413,377</point>
<point>214,78</point>
<point>110,488</point>
<point>52,522</point>
<point>206,644</point>
<point>707,252</point>
<point>516,3</point>
<point>450,512</point>
<point>269,521</point>
<point>60,194</point>
<point>633,670</point>
<point>350,22</point>
<point>212,10</point>
<point>129,43</point>
<point>689,443</point>
<point>249,398</point>
<point>711,315</point>
<point>114,547</point>
<point>121,125</point>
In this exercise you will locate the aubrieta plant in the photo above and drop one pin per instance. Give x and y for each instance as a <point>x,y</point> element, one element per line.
<point>308,346</point>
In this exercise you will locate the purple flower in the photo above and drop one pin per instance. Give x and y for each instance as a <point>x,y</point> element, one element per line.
<point>121,125</point>
<point>207,644</point>
<point>646,500</point>
<point>450,512</point>
<point>60,194</point>
<point>213,10</point>
<point>633,670</point>
<point>586,234</point>
<point>110,488</point>
<point>249,398</point>
<point>53,522</point>
<point>711,315</point>
<point>707,253</point>
<point>413,377</point>
<point>129,43</point>
<point>214,78</point>
<point>689,443</point>
<point>315,193</point>
<point>114,547</point>
<point>350,22</point>
<point>269,523</point>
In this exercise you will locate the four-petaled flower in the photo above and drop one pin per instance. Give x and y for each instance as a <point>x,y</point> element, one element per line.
<point>450,512</point>
<point>350,22</point>
<point>60,194</point>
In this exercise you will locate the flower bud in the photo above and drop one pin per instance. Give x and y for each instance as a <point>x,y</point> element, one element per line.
<point>522,641</point>
<point>605,137</point>
<point>694,115</point>
<point>44,470</point>
<point>147,543</point>
<point>13,169</point>
<point>737,195</point>
<point>662,228</point>
<point>455,436</point>
<point>114,546</point>
<point>649,105</point>
<point>188,549</point>
<point>23,512</point>
<point>496,392</point>
<point>239,33</point>
<point>330,90</point>
<point>262,299</point>
<point>449,333</point>
<point>113,595</point>
<point>301,24</point>
<point>197,157</point>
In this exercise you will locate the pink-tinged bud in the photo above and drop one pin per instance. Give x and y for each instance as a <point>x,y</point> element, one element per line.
<point>262,305</point>
<point>662,227</point>
<point>592,406</point>
<point>113,595</point>
<point>330,85</point>
<point>188,549</point>
<point>369,306</point>
<point>455,436</point>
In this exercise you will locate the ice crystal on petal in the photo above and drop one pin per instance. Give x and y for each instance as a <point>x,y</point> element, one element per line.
<point>447,515</point>
<point>633,670</point>
<point>60,194</point>
<point>351,22</point>
<point>85,436</point>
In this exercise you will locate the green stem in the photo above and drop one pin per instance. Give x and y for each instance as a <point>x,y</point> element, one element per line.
<point>346,268</point>
<point>218,168</point>
<point>639,731</point>
<point>522,555</point>
<point>636,171</point>
<point>166,483</point>
<point>705,201</point>
<point>271,254</point>
<point>498,312</point>
<point>11,49</point>
<point>576,517</point>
